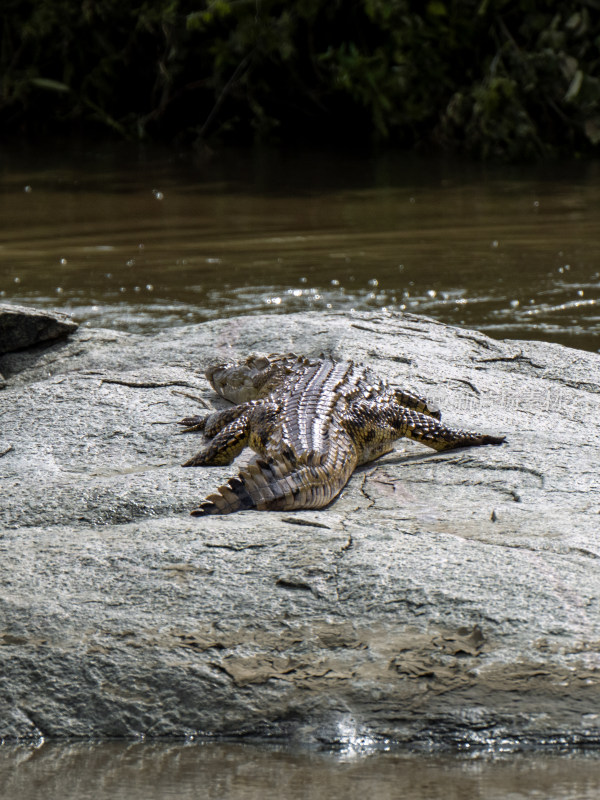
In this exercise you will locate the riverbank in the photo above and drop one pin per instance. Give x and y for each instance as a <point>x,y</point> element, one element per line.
<point>443,598</point>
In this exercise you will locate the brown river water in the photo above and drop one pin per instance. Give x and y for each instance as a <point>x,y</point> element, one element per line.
<point>225,771</point>
<point>139,239</point>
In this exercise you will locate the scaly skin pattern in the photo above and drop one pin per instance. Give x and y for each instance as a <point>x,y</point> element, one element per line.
<point>311,421</point>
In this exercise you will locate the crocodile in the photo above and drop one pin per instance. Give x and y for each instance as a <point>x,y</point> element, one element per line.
<point>311,422</point>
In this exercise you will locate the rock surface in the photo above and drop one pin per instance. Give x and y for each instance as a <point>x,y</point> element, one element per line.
<point>449,597</point>
<point>22,327</point>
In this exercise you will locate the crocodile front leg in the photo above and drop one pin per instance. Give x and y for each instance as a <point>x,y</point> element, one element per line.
<point>225,446</point>
<point>211,424</point>
<point>247,425</point>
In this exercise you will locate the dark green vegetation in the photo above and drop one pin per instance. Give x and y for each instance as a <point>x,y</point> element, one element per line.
<point>494,78</point>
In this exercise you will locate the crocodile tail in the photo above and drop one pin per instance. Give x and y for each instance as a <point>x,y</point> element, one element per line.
<point>276,485</point>
<point>232,496</point>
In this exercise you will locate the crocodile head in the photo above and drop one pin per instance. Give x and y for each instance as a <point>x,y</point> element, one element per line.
<point>251,379</point>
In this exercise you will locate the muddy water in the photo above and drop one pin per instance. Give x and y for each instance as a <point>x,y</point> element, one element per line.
<point>139,240</point>
<point>245,772</point>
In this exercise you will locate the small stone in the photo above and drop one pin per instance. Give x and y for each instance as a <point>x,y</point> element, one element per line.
<point>22,327</point>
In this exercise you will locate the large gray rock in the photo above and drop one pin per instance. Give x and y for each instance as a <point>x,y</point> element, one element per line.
<point>442,597</point>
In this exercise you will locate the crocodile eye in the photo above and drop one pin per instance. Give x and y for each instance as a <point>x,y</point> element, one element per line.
<point>260,362</point>
<point>215,371</point>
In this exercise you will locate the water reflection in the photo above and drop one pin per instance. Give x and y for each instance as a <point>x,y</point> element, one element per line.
<point>217,771</point>
<point>139,241</point>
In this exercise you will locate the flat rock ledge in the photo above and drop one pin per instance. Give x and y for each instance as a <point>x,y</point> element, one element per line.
<point>22,327</point>
<point>447,598</point>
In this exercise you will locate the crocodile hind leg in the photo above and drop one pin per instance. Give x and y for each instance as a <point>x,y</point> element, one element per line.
<point>434,434</point>
<point>371,424</point>
<point>410,400</point>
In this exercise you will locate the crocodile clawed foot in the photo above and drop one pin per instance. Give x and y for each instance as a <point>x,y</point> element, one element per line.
<point>192,424</point>
<point>199,460</point>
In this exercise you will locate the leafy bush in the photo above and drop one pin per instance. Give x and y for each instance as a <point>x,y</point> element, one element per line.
<point>493,78</point>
